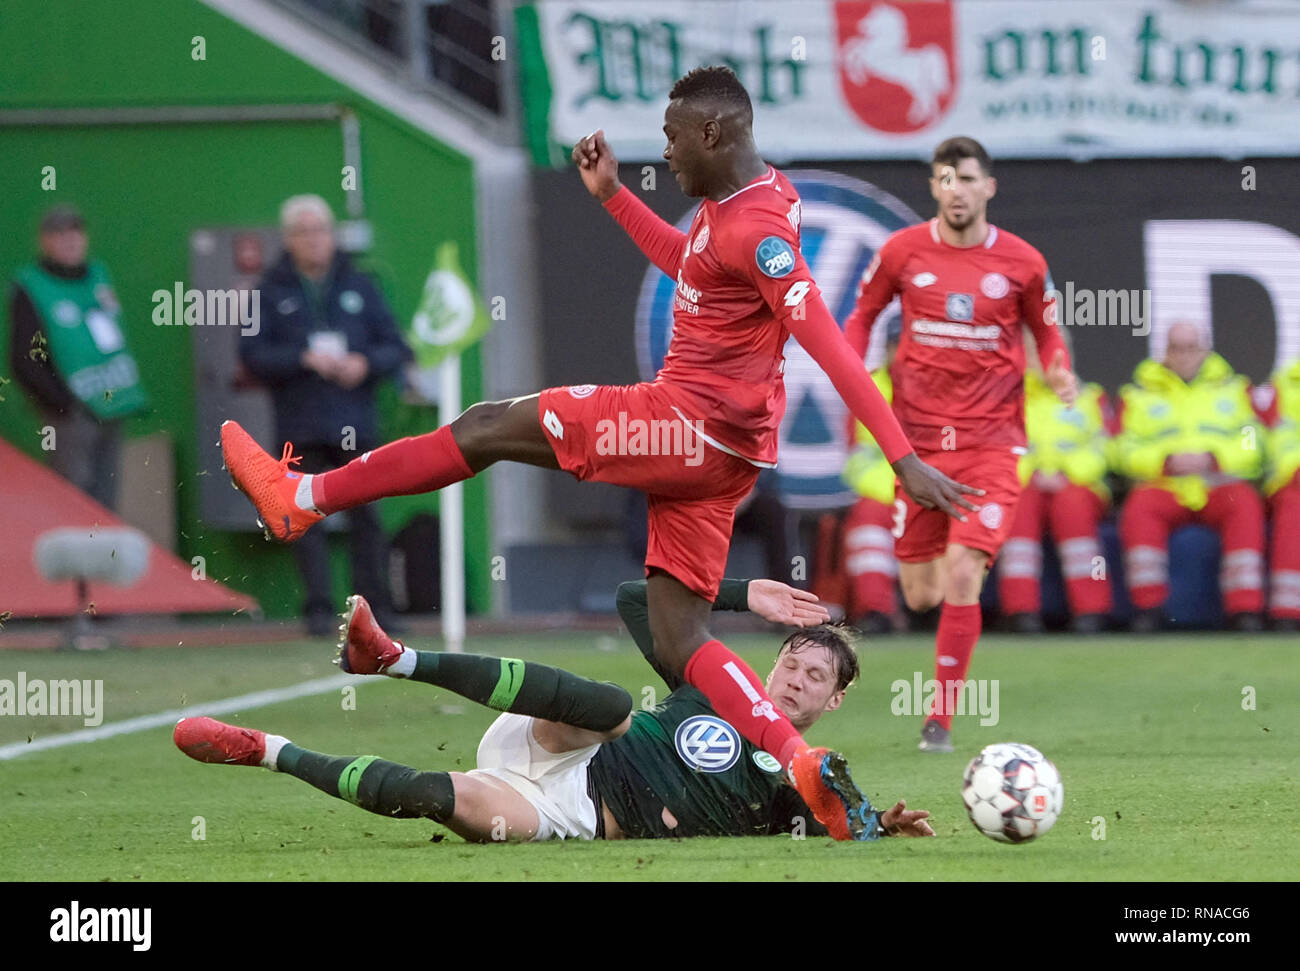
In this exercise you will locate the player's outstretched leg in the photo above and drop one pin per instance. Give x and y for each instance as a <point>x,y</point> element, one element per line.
<point>376,785</point>
<point>289,503</point>
<point>500,683</point>
<point>678,623</point>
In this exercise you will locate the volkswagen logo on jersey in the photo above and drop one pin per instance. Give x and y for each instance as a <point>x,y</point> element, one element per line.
<point>843,222</point>
<point>707,744</point>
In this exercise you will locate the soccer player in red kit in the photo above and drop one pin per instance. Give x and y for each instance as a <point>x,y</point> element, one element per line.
<point>742,288</point>
<point>966,287</point>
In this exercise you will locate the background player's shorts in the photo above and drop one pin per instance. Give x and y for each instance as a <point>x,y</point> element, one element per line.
<point>926,533</point>
<point>631,435</point>
<point>556,784</point>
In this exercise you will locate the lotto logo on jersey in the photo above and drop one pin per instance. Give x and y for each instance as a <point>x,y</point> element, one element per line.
<point>707,744</point>
<point>775,257</point>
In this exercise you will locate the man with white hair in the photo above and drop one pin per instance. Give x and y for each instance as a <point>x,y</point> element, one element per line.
<point>1191,441</point>
<point>327,338</point>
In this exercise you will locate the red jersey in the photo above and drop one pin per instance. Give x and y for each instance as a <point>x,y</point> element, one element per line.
<point>739,260</point>
<point>959,372</point>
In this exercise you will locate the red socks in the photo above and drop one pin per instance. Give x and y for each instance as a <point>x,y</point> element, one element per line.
<point>959,629</point>
<point>739,698</point>
<point>405,467</point>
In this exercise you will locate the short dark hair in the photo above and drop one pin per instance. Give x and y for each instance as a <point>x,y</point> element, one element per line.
<point>836,638</point>
<point>951,151</point>
<point>714,83</point>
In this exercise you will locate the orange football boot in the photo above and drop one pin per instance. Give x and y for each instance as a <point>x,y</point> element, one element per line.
<point>209,740</point>
<point>269,484</point>
<point>822,777</point>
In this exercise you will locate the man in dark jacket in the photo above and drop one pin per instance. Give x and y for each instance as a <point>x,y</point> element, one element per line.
<point>326,339</point>
<point>68,353</point>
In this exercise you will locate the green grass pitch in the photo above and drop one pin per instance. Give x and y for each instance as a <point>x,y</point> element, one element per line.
<point>1151,736</point>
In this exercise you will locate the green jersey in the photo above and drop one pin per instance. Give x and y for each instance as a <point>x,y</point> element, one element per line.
<point>680,756</point>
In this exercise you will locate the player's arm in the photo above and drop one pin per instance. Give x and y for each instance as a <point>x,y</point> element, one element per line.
<point>1039,310</point>
<point>768,258</point>
<point>770,599</point>
<point>878,286</point>
<point>661,243</point>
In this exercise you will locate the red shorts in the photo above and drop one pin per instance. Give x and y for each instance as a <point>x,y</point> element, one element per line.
<point>921,534</point>
<point>630,435</point>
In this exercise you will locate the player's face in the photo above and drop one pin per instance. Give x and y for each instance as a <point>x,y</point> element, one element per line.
<point>962,191</point>
<point>684,151</point>
<point>803,684</point>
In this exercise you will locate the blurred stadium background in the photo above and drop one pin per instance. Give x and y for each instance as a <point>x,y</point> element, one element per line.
<point>1146,146</point>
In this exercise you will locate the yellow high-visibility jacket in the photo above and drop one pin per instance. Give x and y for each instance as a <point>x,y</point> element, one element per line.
<point>1073,441</point>
<point>1284,437</point>
<point>1164,415</point>
<point>865,471</point>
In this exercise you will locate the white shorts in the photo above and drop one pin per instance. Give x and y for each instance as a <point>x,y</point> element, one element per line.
<point>555,783</point>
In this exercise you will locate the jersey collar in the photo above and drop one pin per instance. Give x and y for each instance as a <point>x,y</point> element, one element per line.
<point>766,179</point>
<point>989,240</point>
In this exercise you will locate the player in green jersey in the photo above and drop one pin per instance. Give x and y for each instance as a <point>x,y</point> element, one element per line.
<point>568,757</point>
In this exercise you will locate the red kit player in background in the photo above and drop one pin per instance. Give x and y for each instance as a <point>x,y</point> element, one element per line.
<point>958,376</point>
<point>742,289</point>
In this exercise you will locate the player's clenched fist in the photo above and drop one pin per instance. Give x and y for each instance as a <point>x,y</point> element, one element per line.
<point>597,165</point>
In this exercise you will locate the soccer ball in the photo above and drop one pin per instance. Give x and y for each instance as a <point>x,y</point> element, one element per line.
<point>1012,793</point>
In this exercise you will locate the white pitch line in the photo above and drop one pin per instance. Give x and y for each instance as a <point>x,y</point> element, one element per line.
<point>257,699</point>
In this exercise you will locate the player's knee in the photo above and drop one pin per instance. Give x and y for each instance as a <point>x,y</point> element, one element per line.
<point>618,730</point>
<point>674,648</point>
<point>479,427</point>
<point>921,597</point>
<point>966,575</point>
<point>611,707</point>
